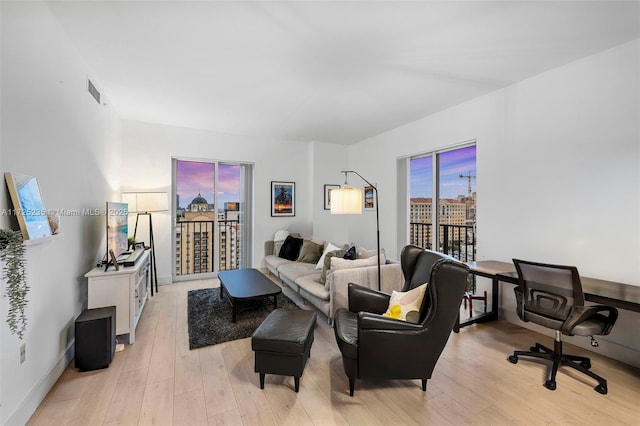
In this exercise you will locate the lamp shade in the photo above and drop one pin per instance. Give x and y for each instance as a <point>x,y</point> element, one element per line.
<point>346,200</point>
<point>145,202</point>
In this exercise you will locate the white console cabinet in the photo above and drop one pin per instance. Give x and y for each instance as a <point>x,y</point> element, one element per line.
<point>127,289</point>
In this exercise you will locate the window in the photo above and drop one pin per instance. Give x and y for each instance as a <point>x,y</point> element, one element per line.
<point>444,182</point>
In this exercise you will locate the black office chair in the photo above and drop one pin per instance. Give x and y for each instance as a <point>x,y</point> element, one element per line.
<point>551,296</point>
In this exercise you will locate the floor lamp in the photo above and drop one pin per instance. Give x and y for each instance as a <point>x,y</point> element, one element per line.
<point>348,200</point>
<point>143,204</point>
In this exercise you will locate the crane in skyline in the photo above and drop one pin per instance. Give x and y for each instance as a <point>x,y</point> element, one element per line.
<point>467,203</point>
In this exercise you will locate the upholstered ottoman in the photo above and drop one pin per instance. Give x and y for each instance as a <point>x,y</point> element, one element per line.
<point>282,343</point>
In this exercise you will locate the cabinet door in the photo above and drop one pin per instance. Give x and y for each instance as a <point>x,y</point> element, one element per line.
<point>112,291</point>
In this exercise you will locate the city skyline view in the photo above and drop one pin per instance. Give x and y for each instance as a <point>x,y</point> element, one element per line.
<point>452,164</point>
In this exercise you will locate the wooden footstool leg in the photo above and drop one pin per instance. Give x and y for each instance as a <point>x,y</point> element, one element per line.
<point>262,380</point>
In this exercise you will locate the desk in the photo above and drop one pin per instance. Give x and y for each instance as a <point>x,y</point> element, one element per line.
<point>618,295</point>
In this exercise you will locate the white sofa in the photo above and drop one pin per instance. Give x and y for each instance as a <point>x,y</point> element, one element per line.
<point>303,278</point>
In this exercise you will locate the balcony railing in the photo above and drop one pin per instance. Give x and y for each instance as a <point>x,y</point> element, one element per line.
<point>196,247</point>
<point>458,241</point>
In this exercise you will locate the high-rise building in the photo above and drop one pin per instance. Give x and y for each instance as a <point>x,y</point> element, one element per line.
<point>195,236</point>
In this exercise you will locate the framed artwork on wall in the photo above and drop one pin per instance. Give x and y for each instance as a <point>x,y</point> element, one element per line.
<point>28,205</point>
<point>283,198</point>
<point>369,198</point>
<point>327,195</point>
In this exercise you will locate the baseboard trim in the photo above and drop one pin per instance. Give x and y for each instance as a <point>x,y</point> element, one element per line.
<point>30,403</point>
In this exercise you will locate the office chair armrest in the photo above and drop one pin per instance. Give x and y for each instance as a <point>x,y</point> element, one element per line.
<point>365,299</point>
<point>369,321</point>
<point>579,314</point>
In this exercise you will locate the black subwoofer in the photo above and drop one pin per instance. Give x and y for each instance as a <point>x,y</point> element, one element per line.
<point>95,338</point>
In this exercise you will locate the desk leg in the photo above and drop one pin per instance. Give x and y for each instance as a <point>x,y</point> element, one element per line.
<point>495,299</point>
<point>489,316</point>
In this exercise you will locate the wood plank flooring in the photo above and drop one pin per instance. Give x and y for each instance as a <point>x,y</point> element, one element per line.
<point>159,381</point>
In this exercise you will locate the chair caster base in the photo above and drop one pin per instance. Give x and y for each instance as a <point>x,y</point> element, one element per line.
<point>513,359</point>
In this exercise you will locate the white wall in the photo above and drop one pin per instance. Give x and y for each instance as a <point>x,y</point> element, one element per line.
<point>146,164</point>
<point>558,172</point>
<point>52,129</point>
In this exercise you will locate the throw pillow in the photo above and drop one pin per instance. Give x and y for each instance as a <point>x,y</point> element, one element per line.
<point>327,265</point>
<point>369,253</point>
<point>337,263</point>
<point>278,241</point>
<point>406,305</point>
<point>330,247</point>
<point>291,248</point>
<point>310,252</point>
<point>350,254</point>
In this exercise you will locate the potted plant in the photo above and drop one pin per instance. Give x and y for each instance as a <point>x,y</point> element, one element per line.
<point>12,254</point>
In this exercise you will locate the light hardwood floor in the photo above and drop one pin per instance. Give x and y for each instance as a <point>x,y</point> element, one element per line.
<point>159,381</point>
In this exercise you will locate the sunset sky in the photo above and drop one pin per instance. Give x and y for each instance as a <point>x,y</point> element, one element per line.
<point>193,178</point>
<point>452,165</point>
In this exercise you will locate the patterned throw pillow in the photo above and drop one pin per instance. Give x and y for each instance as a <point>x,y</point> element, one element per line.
<point>406,306</point>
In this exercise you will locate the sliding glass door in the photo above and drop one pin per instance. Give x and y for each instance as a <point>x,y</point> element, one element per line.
<point>212,211</point>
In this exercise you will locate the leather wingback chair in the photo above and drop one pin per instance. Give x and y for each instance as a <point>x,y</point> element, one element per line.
<point>377,347</point>
<point>551,296</point>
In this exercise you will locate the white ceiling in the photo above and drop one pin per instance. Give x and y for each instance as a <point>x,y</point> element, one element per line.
<point>325,71</point>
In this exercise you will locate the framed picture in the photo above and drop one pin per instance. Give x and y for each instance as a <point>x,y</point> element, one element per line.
<point>369,198</point>
<point>28,205</point>
<point>283,198</point>
<point>138,245</point>
<point>327,195</point>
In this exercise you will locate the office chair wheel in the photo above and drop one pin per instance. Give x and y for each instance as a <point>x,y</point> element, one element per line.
<point>585,364</point>
<point>534,349</point>
<point>602,389</point>
<point>513,359</point>
<point>550,384</point>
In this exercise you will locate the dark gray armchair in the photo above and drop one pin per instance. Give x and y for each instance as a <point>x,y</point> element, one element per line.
<point>551,296</point>
<point>377,347</point>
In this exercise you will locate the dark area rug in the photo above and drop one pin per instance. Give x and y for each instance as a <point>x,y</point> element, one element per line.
<point>209,318</point>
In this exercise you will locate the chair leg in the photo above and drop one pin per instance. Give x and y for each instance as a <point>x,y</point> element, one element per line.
<point>352,386</point>
<point>424,385</point>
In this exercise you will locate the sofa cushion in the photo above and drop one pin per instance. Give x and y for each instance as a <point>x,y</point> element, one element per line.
<point>291,248</point>
<point>294,270</point>
<point>275,261</point>
<point>311,284</point>
<point>310,252</point>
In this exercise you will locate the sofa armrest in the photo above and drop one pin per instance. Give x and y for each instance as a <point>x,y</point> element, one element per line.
<point>391,274</point>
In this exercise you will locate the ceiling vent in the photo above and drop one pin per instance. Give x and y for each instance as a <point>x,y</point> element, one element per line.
<point>94,92</point>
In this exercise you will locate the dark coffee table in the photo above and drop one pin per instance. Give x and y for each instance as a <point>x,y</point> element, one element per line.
<point>241,285</point>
